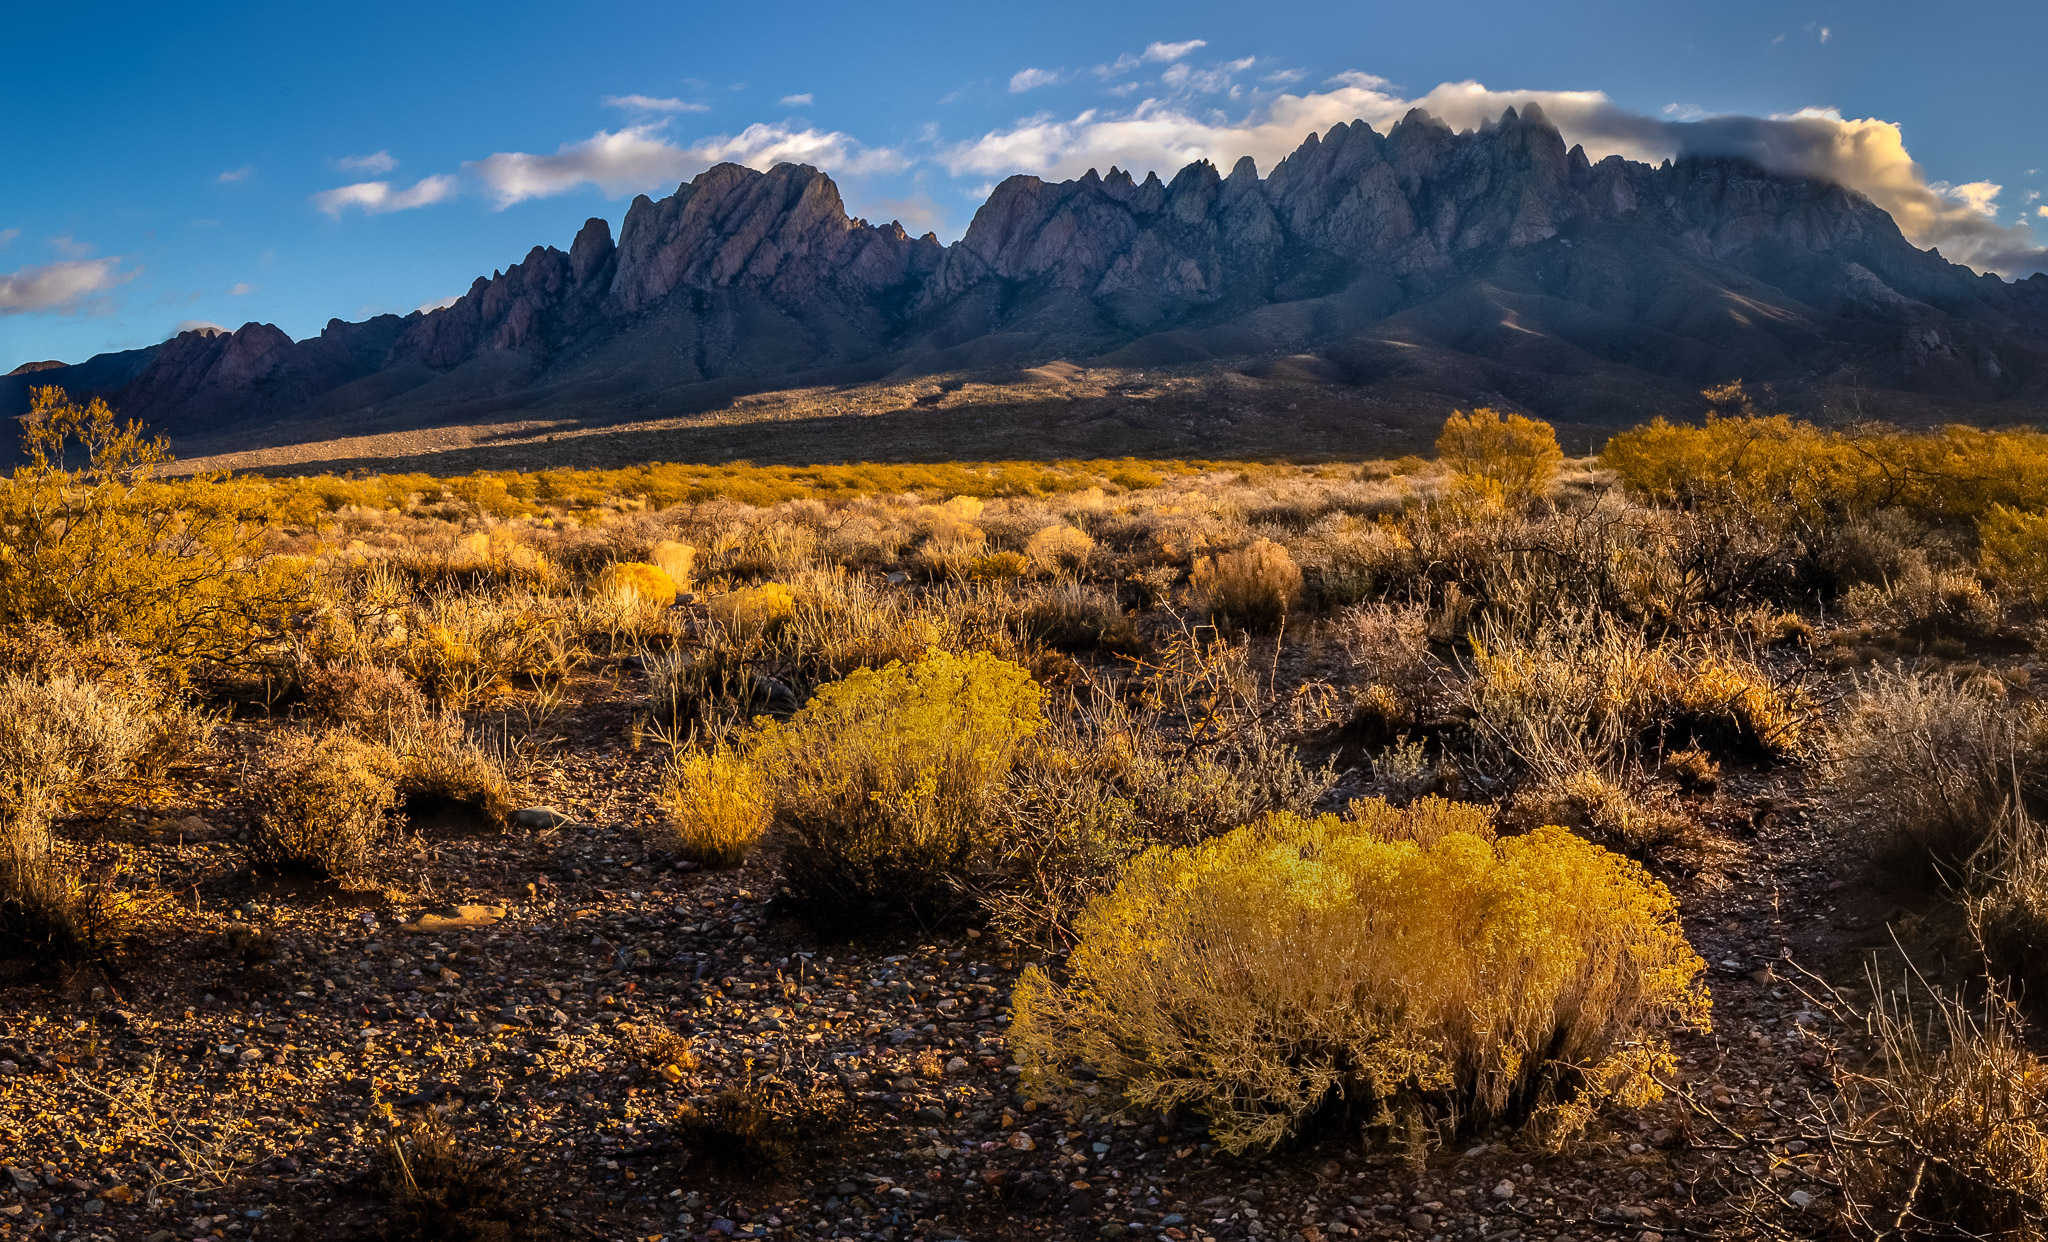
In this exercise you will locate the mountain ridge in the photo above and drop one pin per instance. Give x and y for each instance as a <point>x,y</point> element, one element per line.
<point>1494,263</point>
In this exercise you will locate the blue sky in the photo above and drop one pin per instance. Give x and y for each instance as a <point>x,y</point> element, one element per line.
<point>231,162</point>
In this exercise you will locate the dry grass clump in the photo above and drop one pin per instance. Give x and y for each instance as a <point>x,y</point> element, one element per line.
<point>1925,767</point>
<point>1060,550</point>
<point>1395,677</point>
<point>320,800</point>
<point>1406,965</point>
<point>719,805</point>
<point>1586,690</point>
<point>1945,1134</point>
<point>1925,603</point>
<point>1602,806</point>
<point>440,1190</point>
<point>1074,616</point>
<point>446,772</point>
<point>64,744</point>
<point>374,700</point>
<point>885,779</point>
<point>1252,587</point>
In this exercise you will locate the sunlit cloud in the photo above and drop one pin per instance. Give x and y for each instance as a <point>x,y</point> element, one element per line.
<point>639,158</point>
<point>653,103</point>
<point>428,308</point>
<point>380,197</point>
<point>1031,79</point>
<point>1160,53</point>
<point>243,173</point>
<point>375,162</point>
<point>64,286</point>
<point>199,325</point>
<point>796,101</point>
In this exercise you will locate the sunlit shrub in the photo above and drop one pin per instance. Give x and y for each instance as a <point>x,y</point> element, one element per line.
<point>1252,587</point>
<point>644,583</point>
<point>1408,965</point>
<point>2015,550</point>
<point>1004,566</point>
<point>320,801</point>
<point>754,609</point>
<point>1508,456</point>
<point>884,779</point>
<point>719,804</point>
<point>1060,549</point>
<point>1777,469</point>
<point>173,570</point>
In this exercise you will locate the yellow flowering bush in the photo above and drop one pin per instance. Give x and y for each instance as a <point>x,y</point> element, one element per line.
<point>753,610</point>
<point>719,803</point>
<point>1406,964</point>
<point>2014,550</point>
<point>884,779</point>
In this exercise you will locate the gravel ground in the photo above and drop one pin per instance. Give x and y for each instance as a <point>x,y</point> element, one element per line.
<point>234,1072</point>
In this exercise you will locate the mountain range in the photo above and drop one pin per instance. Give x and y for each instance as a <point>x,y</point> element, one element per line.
<point>1407,271</point>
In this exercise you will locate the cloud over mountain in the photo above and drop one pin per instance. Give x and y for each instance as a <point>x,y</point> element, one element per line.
<point>1867,155</point>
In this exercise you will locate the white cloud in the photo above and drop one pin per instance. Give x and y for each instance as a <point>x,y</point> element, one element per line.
<point>2041,212</point>
<point>243,173</point>
<point>1978,196</point>
<point>1285,77</point>
<point>804,100</point>
<point>1210,81</point>
<point>375,162</point>
<point>1031,79</point>
<point>1824,33</point>
<point>241,287</point>
<point>8,235</point>
<point>652,103</point>
<point>428,308</point>
<point>199,325</point>
<point>1122,64</point>
<point>60,286</point>
<point>1866,155</point>
<point>378,197</point>
<point>638,158</point>
<point>1160,53</point>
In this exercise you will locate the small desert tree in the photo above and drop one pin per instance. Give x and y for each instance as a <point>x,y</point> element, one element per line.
<point>101,548</point>
<point>1507,454</point>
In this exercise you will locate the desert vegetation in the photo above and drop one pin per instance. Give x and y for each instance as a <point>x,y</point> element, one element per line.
<point>1578,847</point>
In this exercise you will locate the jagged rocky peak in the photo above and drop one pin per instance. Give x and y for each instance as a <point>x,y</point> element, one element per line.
<point>743,275</point>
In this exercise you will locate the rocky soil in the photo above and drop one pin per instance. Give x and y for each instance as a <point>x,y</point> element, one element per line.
<point>236,1072</point>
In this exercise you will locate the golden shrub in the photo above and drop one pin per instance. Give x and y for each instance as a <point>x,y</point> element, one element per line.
<point>754,609</point>
<point>1508,456</point>
<point>176,571</point>
<point>639,581</point>
<point>1002,566</point>
<point>1059,549</point>
<point>320,801</point>
<point>1252,587</point>
<point>884,778</point>
<point>1779,470</point>
<point>2014,551</point>
<point>1403,964</point>
<point>719,803</point>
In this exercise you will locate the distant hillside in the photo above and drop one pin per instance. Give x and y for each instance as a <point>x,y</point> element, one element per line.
<point>1367,281</point>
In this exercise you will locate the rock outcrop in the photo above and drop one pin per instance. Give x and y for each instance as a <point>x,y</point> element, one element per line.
<point>1496,261</point>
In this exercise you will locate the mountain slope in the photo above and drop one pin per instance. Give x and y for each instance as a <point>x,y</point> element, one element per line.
<point>1423,266</point>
